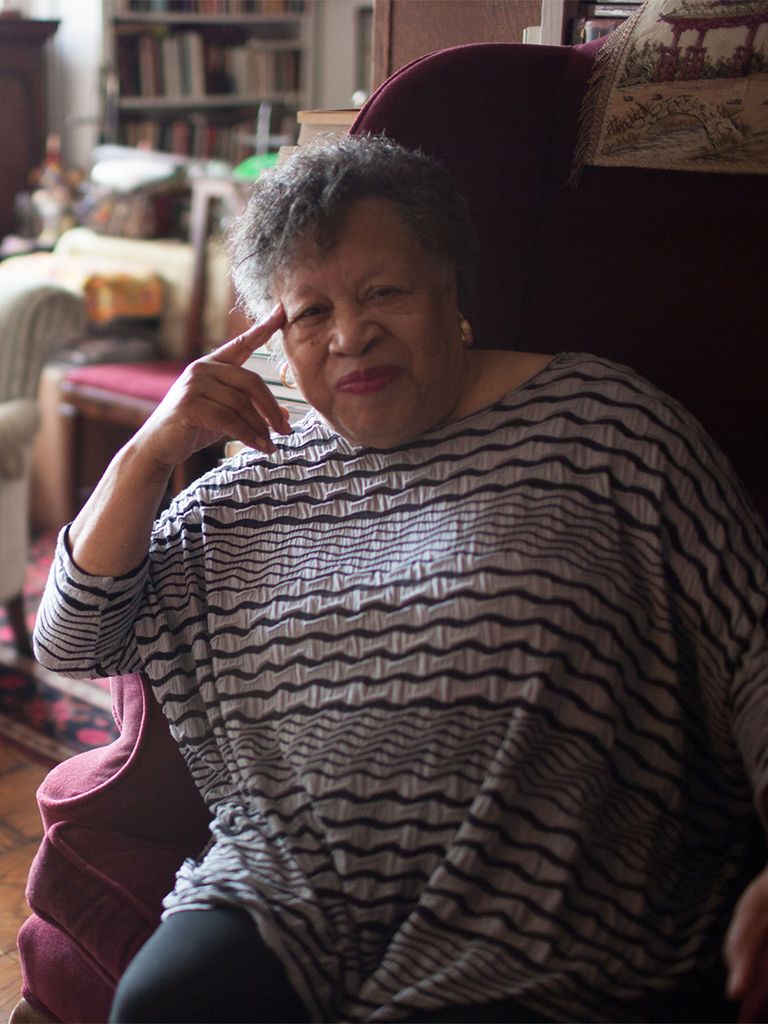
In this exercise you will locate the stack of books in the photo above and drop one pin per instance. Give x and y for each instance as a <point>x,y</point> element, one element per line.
<point>328,123</point>
<point>323,124</point>
<point>268,368</point>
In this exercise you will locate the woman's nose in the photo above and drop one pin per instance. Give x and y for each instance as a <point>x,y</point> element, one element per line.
<point>352,333</point>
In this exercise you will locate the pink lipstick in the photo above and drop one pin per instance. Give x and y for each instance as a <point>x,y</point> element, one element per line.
<point>365,381</point>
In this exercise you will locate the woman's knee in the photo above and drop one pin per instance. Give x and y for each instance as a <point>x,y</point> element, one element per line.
<point>199,966</point>
<point>162,981</point>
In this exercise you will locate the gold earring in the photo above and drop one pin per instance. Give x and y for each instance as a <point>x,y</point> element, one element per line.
<point>288,382</point>
<point>465,332</point>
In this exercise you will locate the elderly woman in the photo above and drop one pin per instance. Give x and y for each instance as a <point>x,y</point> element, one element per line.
<point>469,666</point>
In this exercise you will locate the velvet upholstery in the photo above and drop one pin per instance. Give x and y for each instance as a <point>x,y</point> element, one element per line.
<point>658,270</point>
<point>148,381</point>
<point>118,821</point>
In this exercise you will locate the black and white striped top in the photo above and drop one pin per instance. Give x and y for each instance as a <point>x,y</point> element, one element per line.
<point>482,717</point>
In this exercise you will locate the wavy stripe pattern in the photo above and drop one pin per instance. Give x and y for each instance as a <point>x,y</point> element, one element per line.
<point>480,718</point>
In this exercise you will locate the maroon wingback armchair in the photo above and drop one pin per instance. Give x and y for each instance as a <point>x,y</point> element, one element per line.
<point>662,270</point>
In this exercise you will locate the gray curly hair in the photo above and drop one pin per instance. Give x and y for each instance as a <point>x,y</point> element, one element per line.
<point>307,198</point>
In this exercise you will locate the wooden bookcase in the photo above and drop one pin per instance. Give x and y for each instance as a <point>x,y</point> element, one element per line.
<point>206,80</point>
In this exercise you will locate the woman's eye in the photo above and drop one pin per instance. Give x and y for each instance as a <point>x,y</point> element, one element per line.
<point>384,292</point>
<point>309,312</point>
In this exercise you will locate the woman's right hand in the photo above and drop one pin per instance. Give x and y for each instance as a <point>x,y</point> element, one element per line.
<point>216,397</point>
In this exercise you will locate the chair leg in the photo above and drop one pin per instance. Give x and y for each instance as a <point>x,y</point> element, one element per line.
<point>25,1013</point>
<point>16,618</point>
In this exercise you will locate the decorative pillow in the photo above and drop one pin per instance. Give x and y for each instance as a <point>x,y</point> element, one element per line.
<point>118,296</point>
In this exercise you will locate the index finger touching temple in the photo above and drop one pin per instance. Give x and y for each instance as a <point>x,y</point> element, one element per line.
<point>237,349</point>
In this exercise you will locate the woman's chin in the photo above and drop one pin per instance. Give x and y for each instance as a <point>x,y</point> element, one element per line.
<point>378,434</point>
<point>385,420</point>
<point>373,438</point>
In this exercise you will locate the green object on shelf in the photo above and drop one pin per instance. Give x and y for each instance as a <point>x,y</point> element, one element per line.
<point>252,166</point>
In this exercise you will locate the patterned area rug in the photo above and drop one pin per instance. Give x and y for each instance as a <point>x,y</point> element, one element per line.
<point>50,717</point>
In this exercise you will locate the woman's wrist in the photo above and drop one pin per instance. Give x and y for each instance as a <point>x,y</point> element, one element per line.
<point>137,458</point>
<point>110,536</point>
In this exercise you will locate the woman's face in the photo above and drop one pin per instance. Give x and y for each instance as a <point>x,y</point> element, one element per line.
<point>372,330</point>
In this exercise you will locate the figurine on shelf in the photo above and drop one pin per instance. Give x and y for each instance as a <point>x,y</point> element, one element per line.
<point>54,196</point>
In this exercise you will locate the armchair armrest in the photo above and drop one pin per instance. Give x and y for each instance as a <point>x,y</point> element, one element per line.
<point>19,420</point>
<point>35,318</point>
<point>118,822</point>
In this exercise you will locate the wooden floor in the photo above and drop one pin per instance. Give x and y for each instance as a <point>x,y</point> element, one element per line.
<point>20,834</point>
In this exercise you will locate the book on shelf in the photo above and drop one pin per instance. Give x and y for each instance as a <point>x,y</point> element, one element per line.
<point>192,62</point>
<point>171,66</point>
<point>257,71</point>
<point>149,67</point>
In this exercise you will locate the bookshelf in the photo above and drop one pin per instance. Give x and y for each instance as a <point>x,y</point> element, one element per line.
<point>210,79</point>
<point>567,22</point>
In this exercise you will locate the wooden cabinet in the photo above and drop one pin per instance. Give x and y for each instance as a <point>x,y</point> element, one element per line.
<point>405,29</point>
<point>213,80</point>
<point>22,107</point>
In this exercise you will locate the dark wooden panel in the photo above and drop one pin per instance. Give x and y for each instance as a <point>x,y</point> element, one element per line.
<point>17,157</point>
<point>405,29</point>
<point>23,116</point>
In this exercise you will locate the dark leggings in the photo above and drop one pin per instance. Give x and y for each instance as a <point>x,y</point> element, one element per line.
<point>204,966</point>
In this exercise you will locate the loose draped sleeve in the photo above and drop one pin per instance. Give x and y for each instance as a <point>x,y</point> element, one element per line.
<point>84,626</point>
<point>716,563</point>
<point>748,699</point>
<point>109,625</point>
